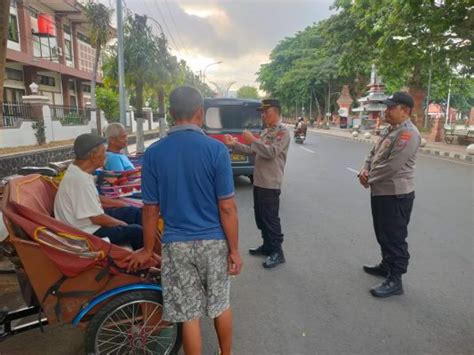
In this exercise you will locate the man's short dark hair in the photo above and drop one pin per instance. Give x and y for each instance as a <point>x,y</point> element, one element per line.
<point>184,101</point>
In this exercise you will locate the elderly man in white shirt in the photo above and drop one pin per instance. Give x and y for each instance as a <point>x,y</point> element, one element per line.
<point>78,203</point>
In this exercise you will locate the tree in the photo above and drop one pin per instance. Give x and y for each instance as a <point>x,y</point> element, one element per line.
<point>4,19</point>
<point>108,101</point>
<point>98,16</point>
<point>416,39</point>
<point>400,37</point>
<point>247,92</point>
<point>164,73</point>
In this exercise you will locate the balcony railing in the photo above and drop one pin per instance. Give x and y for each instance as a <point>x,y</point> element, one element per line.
<point>70,116</point>
<point>14,113</point>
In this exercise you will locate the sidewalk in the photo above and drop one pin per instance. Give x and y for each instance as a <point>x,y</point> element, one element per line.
<point>438,149</point>
<point>132,148</point>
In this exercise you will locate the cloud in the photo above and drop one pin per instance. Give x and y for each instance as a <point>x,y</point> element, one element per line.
<point>240,33</point>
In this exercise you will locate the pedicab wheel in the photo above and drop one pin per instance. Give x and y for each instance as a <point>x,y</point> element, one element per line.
<point>132,324</point>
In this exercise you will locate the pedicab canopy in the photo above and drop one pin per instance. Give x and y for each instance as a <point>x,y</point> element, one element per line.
<point>28,203</point>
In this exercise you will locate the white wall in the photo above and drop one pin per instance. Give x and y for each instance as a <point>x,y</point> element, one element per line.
<point>61,132</point>
<point>17,137</point>
<point>25,134</point>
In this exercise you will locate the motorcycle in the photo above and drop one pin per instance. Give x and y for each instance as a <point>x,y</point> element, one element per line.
<point>299,137</point>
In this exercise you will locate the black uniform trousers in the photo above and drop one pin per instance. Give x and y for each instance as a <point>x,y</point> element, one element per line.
<point>391,215</point>
<point>266,206</point>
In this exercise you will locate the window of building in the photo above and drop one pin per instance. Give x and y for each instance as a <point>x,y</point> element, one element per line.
<point>83,38</point>
<point>72,101</point>
<point>13,29</point>
<point>13,95</point>
<point>47,80</point>
<point>67,29</point>
<point>14,74</point>
<point>71,85</point>
<point>86,88</point>
<point>68,49</point>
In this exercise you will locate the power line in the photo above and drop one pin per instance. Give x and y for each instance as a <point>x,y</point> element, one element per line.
<point>176,28</point>
<point>167,28</point>
<point>153,19</point>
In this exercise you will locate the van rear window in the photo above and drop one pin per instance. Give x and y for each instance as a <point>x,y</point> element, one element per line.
<point>233,117</point>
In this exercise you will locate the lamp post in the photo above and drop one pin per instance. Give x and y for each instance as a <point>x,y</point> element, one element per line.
<point>204,71</point>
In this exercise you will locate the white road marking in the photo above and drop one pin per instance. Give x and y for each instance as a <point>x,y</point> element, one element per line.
<point>308,150</point>
<point>353,170</point>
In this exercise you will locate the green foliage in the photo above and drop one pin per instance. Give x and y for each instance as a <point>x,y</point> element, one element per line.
<point>108,101</point>
<point>247,92</point>
<point>40,133</point>
<point>98,16</point>
<point>149,65</point>
<point>400,37</point>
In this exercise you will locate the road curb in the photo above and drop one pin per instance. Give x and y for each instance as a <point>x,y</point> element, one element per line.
<point>455,156</point>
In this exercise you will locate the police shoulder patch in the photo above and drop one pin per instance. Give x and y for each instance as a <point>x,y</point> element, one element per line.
<point>404,138</point>
<point>280,135</point>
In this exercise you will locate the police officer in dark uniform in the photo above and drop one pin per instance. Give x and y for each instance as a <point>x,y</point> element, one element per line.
<point>270,151</point>
<point>389,172</point>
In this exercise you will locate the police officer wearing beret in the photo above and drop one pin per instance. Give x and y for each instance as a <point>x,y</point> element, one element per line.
<point>389,172</point>
<point>270,151</point>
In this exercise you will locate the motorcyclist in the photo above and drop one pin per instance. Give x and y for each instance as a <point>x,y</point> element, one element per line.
<point>301,127</point>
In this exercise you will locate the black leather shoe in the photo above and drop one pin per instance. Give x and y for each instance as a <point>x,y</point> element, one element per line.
<point>275,259</point>
<point>390,287</point>
<point>260,251</point>
<point>376,270</point>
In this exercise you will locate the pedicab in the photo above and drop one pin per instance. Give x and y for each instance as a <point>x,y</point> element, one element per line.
<point>119,184</point>
<point>68,276</point>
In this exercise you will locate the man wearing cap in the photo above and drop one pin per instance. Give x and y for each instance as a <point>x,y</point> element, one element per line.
<point>78,204</point>
<point>389,172</point>
<point>270,151</point>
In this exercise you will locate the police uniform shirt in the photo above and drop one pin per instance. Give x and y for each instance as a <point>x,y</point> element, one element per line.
<point>391,162</point>
<point>270,151</point>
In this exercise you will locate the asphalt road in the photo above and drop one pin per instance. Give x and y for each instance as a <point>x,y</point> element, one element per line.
<point>318,302</point>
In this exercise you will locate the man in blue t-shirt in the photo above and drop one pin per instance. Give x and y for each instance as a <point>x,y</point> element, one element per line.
<point>116,142</point>
<point>187,177</point>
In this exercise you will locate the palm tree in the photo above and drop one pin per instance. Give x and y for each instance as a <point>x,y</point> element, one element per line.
<point>147,64</point>
<point>98,16</point>
<point>4,18</point>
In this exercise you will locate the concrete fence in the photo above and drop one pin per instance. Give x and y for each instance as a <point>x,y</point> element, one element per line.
<point>60,123</point>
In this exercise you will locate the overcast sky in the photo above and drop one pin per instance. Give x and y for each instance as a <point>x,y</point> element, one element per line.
<point>239,33</point>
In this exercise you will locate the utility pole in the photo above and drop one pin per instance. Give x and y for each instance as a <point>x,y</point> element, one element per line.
<point>425,124</point>
<point>329,101</point>
<point>121,67</point>
<point>448,119</point>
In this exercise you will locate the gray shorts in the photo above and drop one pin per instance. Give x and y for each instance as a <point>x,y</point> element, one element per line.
<point>194,279</point>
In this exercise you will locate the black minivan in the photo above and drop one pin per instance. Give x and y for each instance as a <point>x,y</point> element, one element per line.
<point>231,116</point>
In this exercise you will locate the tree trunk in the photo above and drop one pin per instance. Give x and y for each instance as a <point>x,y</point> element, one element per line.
<point>161,101</point>
<point>161,111</point>
<point>4,18</point>
<point>417,114</point>
<point>139,116</point>
<point>93,85</point>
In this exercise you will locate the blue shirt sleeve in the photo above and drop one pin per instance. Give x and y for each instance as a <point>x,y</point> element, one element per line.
<point>224,184</point>
<point>126,163</point>
<point>117,162</point>
<point>150,194</point>
<point>113,163</point>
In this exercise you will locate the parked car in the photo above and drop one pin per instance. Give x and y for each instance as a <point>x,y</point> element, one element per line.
<point>232,116</point>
